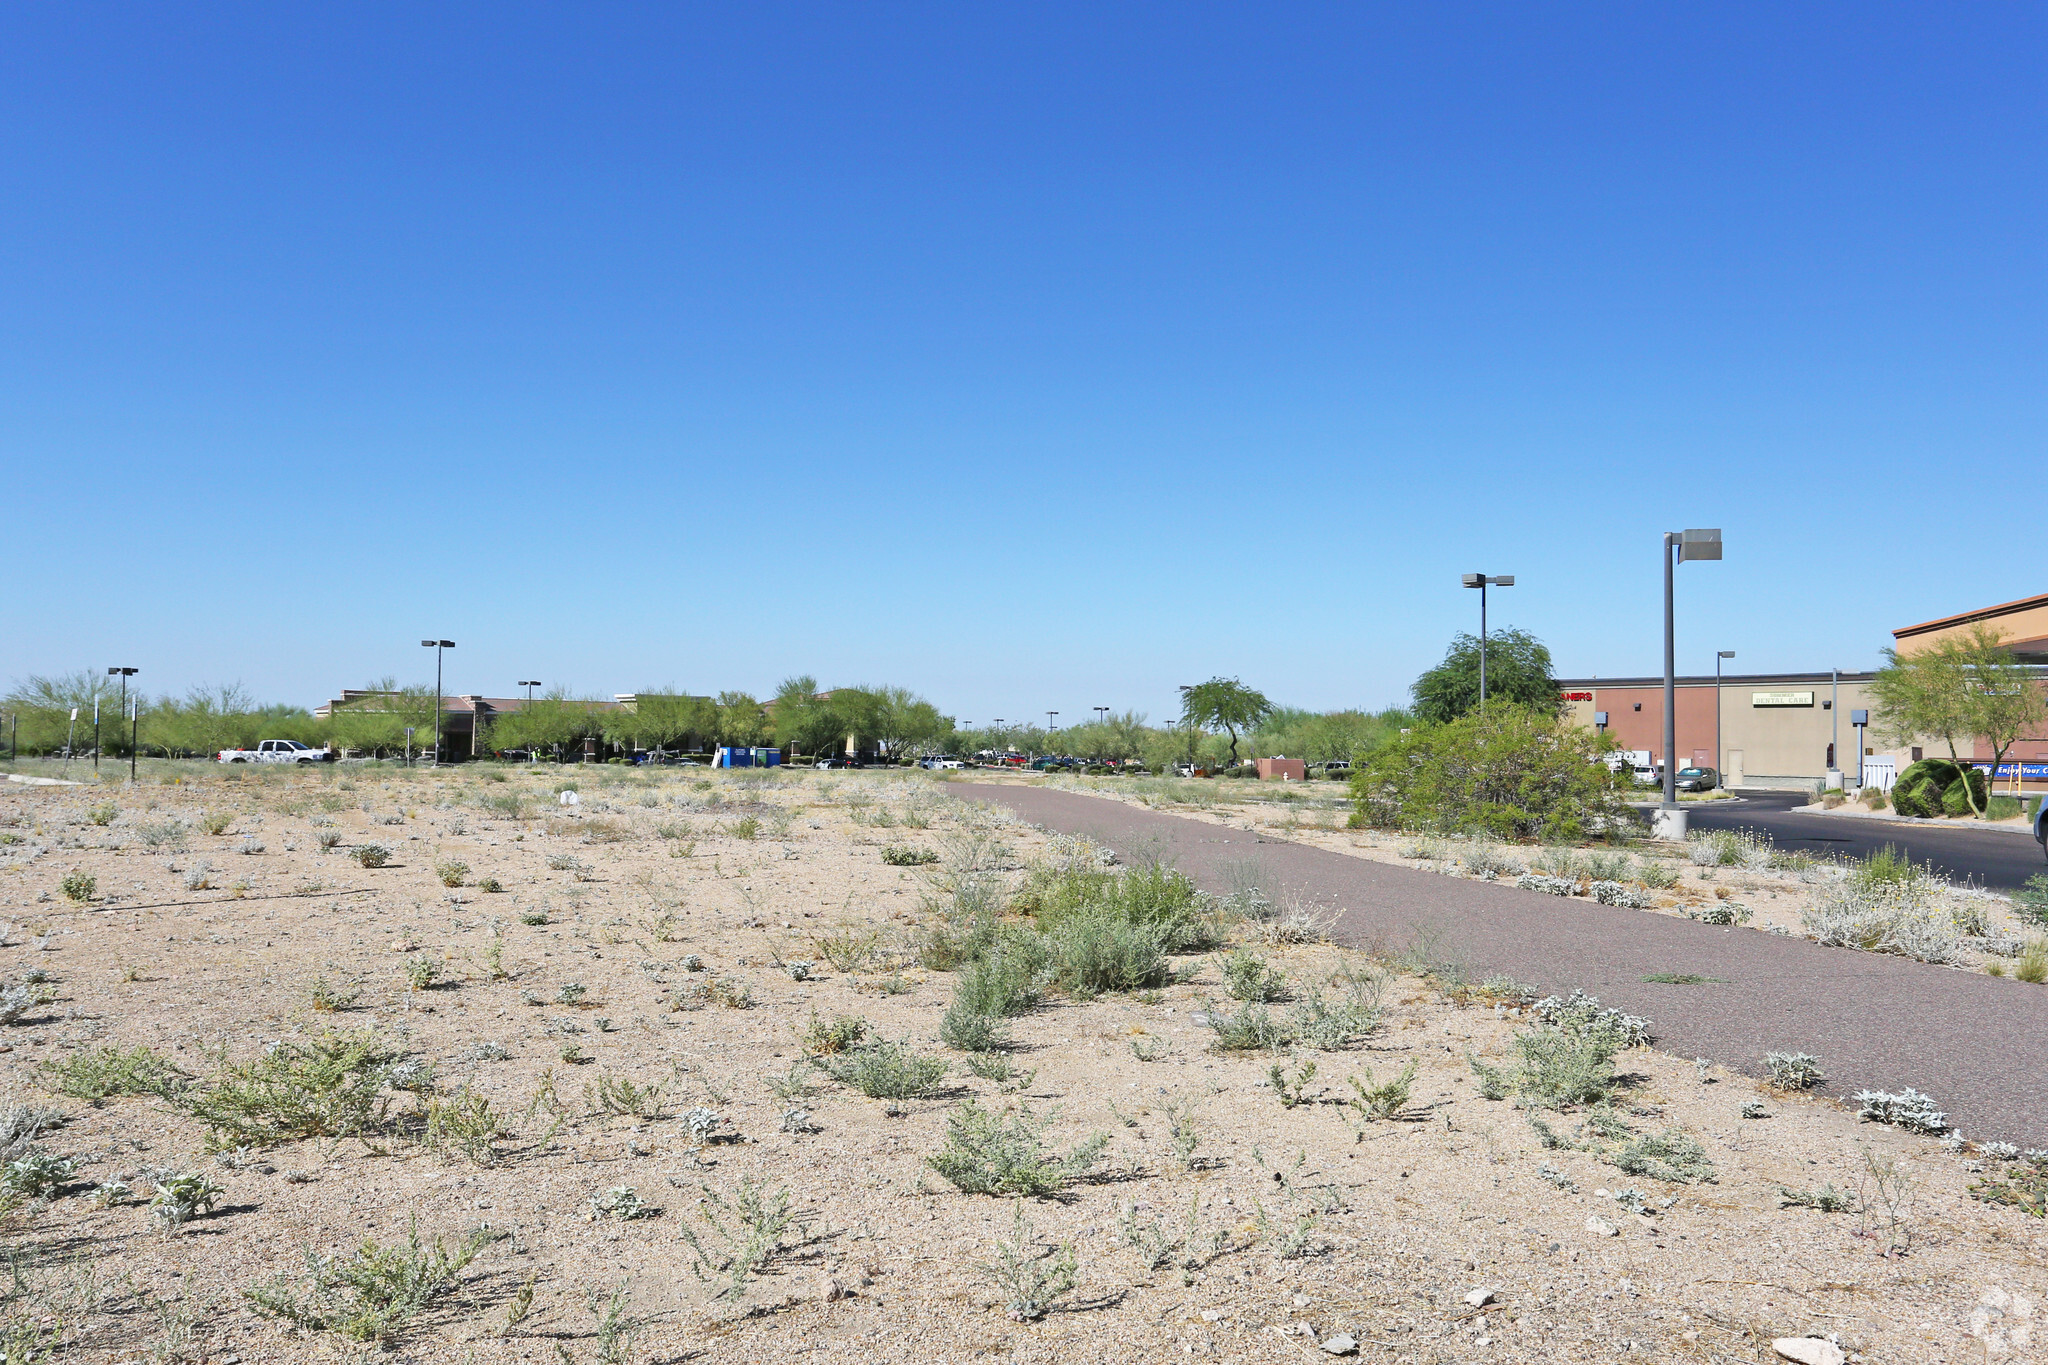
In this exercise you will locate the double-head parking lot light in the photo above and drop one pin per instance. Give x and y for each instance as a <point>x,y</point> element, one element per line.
<point>134,729</point>
<point>1483,582</point>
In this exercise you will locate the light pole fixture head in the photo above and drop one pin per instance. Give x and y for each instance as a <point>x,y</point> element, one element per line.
<point>124,672</point>
<point>1699,544</point>
<point>1480,580</point>
<point>1725,653</point>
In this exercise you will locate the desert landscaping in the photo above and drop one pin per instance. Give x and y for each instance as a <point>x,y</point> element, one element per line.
<point>403,1063</point>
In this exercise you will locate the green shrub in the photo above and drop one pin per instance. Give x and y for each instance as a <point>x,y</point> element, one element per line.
<point>963,1028</point>
<point>1252,1029</point>
<point>1098,950</point>
<point>372,1293</point>
<point>988,1153</point>
<point>1247,976</point>
<point>898,855</point>
<point>1009,977</point>
<point>108,1071</point>
<point>887,1071</point>
<point>2001,808</point>
<point>1155,896</point>
<point>371,855</point>
<point>326,1088</point>
<point>1514,772</point>
<point>79,886</point>
<point>1934,786</point>
<point>1552,1068</point>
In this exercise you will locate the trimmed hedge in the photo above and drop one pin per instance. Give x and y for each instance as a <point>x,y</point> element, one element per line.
<point>1934,786</point>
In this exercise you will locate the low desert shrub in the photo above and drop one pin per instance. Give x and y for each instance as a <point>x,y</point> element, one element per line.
<point>1793,1070</point>
<point>1581,1014</point>
<point>886,1071</point>
<point>990,1153</point>
<point>743,1234</point>
<point>1030,1277</point>
<point>1917,917</point>
<point>328,1087</point>
<point>900,855</point>
<point>375,1291</point>
<point>371,855</point>
<point>1098,950</point>
<point>1253,1028</point>
<point>842,1034</point>
<point>1619,893</point>
<point>451,873</point>
<point>104,1072</point>
<point>1248,976</point>
<point>1908,1109</point>
<point>78,886</point>
<point>1553,1068</point>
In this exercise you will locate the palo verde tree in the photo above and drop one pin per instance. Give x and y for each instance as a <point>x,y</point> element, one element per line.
<point>1223,704</point>
<point>1964,687</point>
<point>805,721</point>
<point>1518,673</point>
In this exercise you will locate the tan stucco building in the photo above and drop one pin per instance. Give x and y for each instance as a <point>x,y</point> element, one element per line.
<point>1775,730</point>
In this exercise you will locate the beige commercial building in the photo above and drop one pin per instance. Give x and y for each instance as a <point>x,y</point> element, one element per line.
<point>1766,731</point>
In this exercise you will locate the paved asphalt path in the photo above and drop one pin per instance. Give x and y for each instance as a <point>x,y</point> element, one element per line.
<point>2001,859</point>
<point>1978,1044</point>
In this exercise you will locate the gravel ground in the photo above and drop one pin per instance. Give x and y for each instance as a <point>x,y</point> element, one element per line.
<point>1313,1226</point>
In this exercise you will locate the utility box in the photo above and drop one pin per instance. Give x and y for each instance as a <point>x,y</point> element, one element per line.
<point>1282,770</point>
<point>739,756</point>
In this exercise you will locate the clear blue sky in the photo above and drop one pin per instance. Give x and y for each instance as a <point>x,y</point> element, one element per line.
<point>1034,357</point>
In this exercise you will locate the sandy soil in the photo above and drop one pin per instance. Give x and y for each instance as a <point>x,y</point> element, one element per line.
<point>1323,1228</point>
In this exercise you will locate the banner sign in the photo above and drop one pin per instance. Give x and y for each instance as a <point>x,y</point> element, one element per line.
<point>2028,772</point>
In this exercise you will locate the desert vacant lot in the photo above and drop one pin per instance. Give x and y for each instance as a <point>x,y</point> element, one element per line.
<point>586,1083</point>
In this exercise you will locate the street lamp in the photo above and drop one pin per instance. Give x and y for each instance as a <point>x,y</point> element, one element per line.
<point>437,646</point>
<point>529,684</point>
<point>1102,717</point>
<point>1049,726</point>
<point>1720,755</point>
<point>1482,582</point>
<point>1679,546</point>
<point>134,729</point>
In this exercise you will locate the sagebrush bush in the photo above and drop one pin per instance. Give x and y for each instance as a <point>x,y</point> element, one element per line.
<point>1098,950</point>
<point>883,1070</point>
<point>1248,976</point>
<point>328,1087</point>
<point>900,855</point>
<point>990,1153</point>
<point>371,855</point>
<point>104,1072</point>
<point>1553,1068</point>
<point>79,886</point>
<point>375,1291</point>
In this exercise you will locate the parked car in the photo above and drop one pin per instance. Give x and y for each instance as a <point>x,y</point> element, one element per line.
<point>835,763</point>
<point>940,761</point>
<point>1336,768</point>
<point>1698,779</point>
<point>276,751</point>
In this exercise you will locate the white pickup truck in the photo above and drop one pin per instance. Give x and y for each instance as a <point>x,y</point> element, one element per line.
<point>276,751</point>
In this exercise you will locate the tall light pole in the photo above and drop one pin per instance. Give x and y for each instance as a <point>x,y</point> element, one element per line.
<point>134,729</point>
<point>529,684</point>
<point>437,646</point>
<point>1102,716</point>
<point>1049,726</point>
<point>1720,754</point>
<point>1482,582</point>
<point>1679,546</point>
